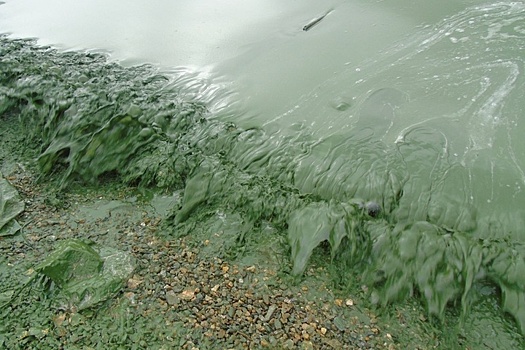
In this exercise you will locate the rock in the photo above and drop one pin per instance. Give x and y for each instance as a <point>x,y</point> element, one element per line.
<point>373,209</point>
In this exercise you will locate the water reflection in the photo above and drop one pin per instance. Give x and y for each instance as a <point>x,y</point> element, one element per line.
<point>169,33</point>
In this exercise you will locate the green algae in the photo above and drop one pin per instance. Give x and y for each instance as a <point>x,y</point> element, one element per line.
<point>92,118</point>
<point>320,222</point>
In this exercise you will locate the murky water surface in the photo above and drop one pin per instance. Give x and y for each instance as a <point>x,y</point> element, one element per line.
<point>412,106</point>
<point>259,47</point>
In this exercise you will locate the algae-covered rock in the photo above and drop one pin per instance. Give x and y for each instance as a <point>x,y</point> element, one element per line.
<point>72,261</point>
<point>10,206</point>
<point>84,275</point>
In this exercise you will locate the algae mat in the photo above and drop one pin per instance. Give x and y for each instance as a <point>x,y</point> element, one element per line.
<point>93,120</point>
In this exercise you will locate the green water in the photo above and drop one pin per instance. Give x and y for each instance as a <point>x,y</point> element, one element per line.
<point>428,129</point>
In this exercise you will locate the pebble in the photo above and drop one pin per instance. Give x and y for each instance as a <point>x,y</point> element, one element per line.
<point>340,323</point>
<point>172,298</point>
<point>269,313</point>
<point>277,324</point>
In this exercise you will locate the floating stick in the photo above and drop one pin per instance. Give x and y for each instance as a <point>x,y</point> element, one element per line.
<point>314,21</point>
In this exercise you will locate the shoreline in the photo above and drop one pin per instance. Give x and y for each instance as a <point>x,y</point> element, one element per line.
<point>202,271</point>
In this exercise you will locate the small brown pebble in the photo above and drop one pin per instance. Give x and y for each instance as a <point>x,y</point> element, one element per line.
<point>187,294</point>
<point>134,282</point>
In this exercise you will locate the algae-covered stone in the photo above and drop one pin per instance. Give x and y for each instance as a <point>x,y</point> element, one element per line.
<point>72,261</point>
<point>86,276</point>
<point>10,206</point>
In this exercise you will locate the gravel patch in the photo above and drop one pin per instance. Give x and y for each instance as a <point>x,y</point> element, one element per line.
<point>199,301</point>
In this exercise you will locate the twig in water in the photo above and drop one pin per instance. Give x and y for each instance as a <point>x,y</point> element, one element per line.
<point>314,21</point>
